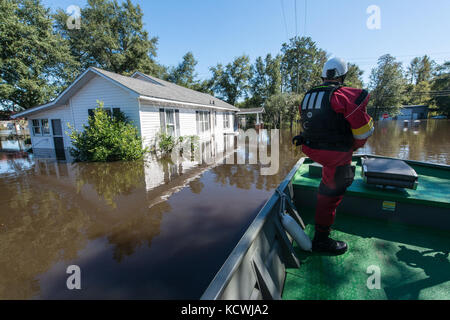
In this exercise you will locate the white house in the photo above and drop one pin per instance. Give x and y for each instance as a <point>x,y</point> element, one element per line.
<point>152,104</point>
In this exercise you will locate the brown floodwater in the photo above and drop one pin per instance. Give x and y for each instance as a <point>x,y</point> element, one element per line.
<point>147,229</point>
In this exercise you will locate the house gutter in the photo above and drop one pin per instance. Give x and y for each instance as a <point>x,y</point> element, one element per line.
<point>184,103</point>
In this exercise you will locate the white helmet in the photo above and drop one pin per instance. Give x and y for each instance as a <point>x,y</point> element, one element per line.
<point>334,68</point>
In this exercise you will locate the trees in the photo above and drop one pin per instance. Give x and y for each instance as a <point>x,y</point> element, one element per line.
<point>386,84</point>
<point>184,74</point>
<point>282,106</point>
<point>440,83</point>
<point>266,79</point>
<point>353,78</point>
<point>417,94</point>
<point>420,69</point>
<point>301,64</point>
<point>111,37</point>
<point>231,82</point>
<point>35,63</point>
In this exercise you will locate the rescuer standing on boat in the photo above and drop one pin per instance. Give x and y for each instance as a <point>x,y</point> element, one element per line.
<point>335,123</point>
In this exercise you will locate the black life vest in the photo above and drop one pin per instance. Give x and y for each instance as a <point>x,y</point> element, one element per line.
<point>323,128</point>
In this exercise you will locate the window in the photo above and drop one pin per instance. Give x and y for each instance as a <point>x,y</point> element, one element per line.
<point>170,121</point>
<point>41,127</point>
<point>226,120</point>
<point>203,121</point>
<point>36,128</point>
<point>45,126</point>
<point>109,111</point>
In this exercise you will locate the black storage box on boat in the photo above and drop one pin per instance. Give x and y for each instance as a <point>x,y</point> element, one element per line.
<point>388,172</point>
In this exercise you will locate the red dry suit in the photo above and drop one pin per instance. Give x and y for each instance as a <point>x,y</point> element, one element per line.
<point>347,107</point>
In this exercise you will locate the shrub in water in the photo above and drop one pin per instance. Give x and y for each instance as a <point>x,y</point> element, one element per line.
<point>106,138</point>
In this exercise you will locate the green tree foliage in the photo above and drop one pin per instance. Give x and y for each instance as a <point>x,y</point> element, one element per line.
<point>353,78</point>
<point>265,81</point>
<point>204,86</point>
<point>302,64</point>
<point>442,82</point>
<point>111,37</point>
<point>231,82</point>
<point>35,63</point>
<point>387,86</point>
<point>184,74</point>
<point>281,107</point>
<point>106,138</point>
<point>417,94</point>
<point>420,70</point>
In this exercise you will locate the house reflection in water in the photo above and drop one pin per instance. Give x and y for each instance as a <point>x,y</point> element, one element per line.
<point>59,214</point>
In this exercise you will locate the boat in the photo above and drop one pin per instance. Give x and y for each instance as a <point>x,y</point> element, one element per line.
<point>398,240</point>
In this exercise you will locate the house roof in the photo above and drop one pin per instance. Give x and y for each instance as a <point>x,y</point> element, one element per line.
<point>147,88</point>
<point>251,110</point>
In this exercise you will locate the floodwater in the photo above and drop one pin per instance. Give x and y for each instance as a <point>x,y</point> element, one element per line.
<point>147,229</point>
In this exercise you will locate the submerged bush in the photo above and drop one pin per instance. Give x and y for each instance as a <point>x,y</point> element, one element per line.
<point>167,143</point>
<point>106,138</point>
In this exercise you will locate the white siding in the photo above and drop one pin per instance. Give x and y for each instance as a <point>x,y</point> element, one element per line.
<point>188,125</point>
<point>76,113</point>
<point>220,118</point>
<point>150,123</point>
<point>44,142</point>
<point>111,94</point>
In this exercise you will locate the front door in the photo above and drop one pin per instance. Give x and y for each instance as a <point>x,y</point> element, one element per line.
<point>58,139</point>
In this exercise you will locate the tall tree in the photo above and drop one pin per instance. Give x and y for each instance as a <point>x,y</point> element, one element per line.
<point>111,36</point>
<point>275,109</point>
<point>231,82</point>
<point>266,79</point>
<point>441,83</point>
<point>35,63</point>
<point>184,74</point>
<point>417,94</point>
<point>354,76</point>
<point>420,69</point>
<point>386,85</point>
<point>204,86</point>
<point>302,64</point>
<point>280,107</point>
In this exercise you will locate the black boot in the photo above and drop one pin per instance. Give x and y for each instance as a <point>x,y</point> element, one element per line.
<point>323,243</point>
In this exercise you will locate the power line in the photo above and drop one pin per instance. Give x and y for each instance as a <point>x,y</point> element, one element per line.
<point>306,7</point>
<point>295,13</point>
<point>284,19</point>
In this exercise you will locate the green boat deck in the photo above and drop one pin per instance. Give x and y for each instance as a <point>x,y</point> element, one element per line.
<point>413,261</point>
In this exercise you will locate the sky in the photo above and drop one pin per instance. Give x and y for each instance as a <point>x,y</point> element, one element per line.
<point>220,30</point>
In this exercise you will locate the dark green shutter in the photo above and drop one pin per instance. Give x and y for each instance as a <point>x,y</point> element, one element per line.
<point>116,112</point>
<point>197,121</point>
<point>177,122</point>
<point>162,120</point>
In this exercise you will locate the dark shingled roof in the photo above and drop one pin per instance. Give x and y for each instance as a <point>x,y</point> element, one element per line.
<point>151,87</point>
<point>157,88</point>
